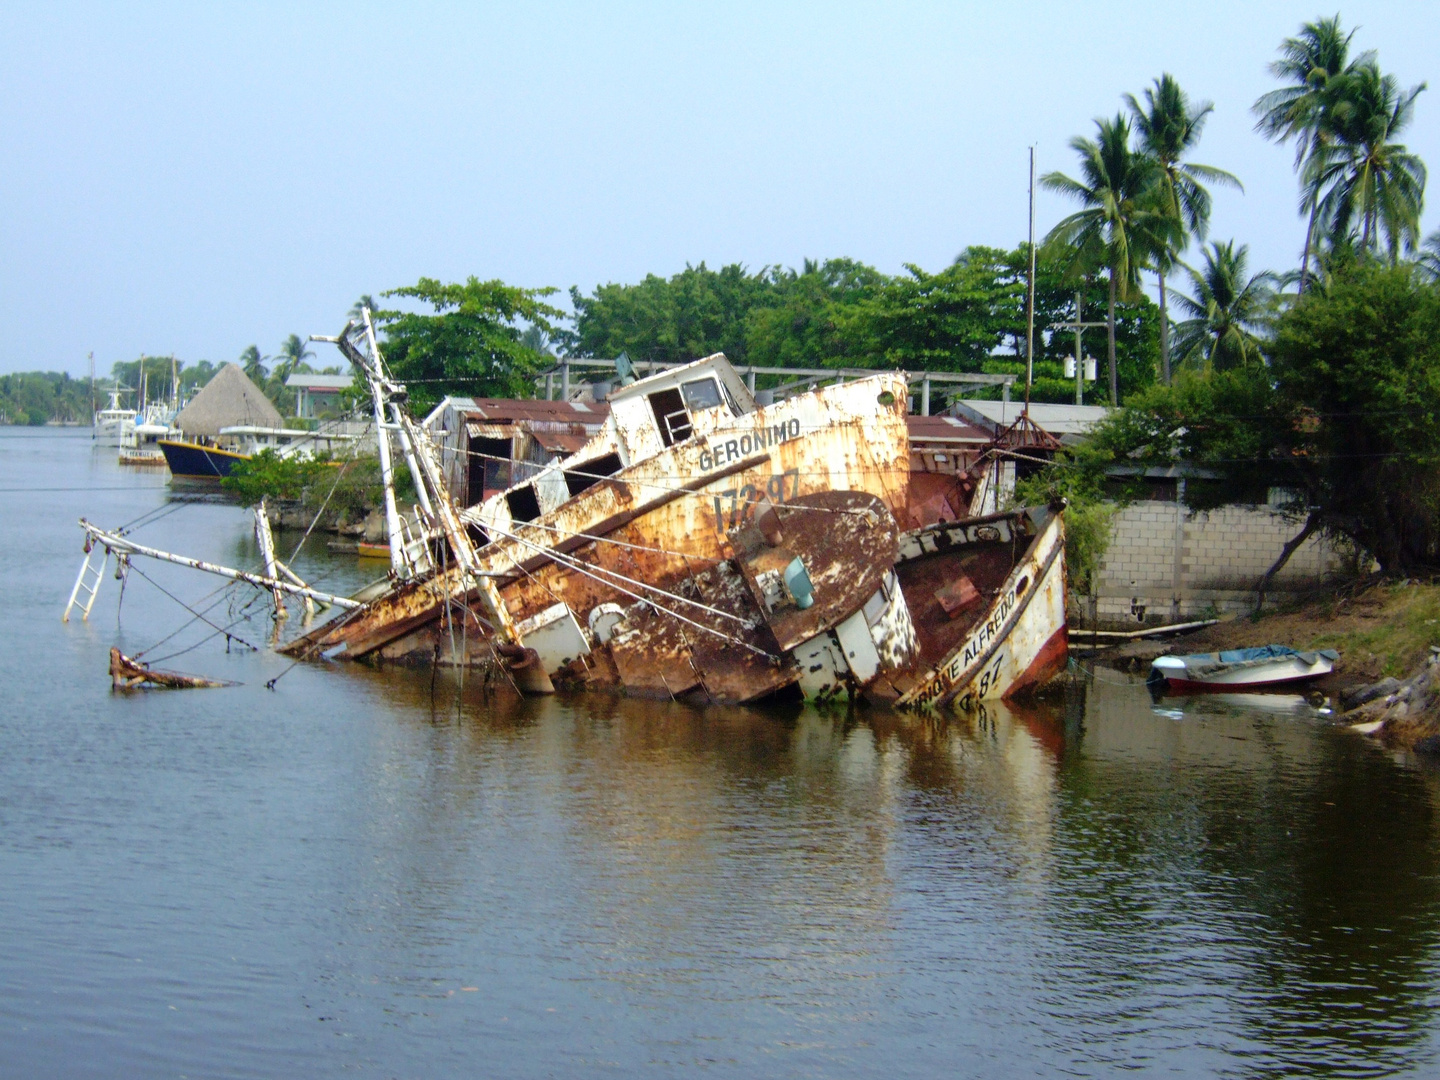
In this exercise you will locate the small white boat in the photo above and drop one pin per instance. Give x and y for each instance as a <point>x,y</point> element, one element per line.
<point>1239,669</point>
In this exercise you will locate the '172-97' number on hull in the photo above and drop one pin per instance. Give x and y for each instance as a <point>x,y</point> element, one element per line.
<point>736,506</point>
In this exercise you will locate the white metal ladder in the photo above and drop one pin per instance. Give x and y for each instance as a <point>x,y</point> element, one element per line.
<point>87,582</point>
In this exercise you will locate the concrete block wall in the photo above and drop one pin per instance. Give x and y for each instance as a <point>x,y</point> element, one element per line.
<point>1175,563</point>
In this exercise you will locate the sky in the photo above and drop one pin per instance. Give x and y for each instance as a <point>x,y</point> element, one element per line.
<point>191,179</point>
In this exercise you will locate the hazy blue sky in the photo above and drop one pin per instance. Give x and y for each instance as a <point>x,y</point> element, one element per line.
<point>194,178</point>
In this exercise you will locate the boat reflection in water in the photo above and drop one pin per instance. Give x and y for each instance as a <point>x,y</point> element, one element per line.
<point>1075,857</point>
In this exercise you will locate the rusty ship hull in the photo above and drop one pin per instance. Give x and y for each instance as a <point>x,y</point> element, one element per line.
<point>660,580</point>
<point>703,546</point>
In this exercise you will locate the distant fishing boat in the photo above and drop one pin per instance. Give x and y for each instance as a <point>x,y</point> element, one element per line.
<point>110,421</point>
<point>1238,669</point>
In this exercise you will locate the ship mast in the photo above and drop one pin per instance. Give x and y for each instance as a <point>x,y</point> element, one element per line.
<point>409,558</point>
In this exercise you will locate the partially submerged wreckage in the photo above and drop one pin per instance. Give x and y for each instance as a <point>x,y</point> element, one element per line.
<point>700,545</point>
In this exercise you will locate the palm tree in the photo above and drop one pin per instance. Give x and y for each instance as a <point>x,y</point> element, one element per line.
<point>1370,179</point>
<point>1429,260</point>
<point>1310,61</point>
<point>1124,221</point>
<point>293,352</point>
<point>536,340</point>
<point>254,364</point>
<point>1228,310</point>
<point>365,301</point>
<point>1169,127</point>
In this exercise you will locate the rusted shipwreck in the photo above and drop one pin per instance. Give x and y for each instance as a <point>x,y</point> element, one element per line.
<point>700,545</point>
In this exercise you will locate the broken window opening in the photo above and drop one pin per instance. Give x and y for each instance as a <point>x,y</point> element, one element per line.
<point>589,473</point>
<point>489,469</point>
<point>670,415</point>
<point>524,503</point>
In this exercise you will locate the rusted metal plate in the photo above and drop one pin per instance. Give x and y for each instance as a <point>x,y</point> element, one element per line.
<point>658,655</point>
<point>960,594</point>
<point>847,541</point>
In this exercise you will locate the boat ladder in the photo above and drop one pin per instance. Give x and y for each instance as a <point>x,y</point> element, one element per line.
<point>88,583</point>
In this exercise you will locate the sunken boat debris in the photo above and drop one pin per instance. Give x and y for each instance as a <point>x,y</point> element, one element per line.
<point>691,542</point>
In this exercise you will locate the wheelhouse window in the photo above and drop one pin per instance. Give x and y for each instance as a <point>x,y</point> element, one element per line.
<point>701,394</point>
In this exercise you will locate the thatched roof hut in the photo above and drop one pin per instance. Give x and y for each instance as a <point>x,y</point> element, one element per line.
<point>229,399</point>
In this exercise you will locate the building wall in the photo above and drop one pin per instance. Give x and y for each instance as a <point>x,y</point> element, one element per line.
<point>1178,564</point>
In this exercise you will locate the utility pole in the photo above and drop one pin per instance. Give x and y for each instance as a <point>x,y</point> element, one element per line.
<point>1078,325</point>
<point>1030,295</point>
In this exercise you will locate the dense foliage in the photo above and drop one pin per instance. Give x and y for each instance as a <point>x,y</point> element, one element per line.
<point>345,487</point>
<point>1076,480</point>
<point>1345,417</point>
<point>471,344</point>
<point>970,316</point>
<point>36,397</point>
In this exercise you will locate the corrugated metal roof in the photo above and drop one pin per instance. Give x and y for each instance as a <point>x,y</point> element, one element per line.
<point>945,429</point>
<point>1056,419</point>
<point>572,412</point>
<point>560,442</point>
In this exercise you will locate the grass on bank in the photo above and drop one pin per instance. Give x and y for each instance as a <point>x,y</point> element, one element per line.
<point>1383,628</point>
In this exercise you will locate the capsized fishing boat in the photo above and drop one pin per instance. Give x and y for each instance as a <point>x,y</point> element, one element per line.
<point>1237,669</point>
<point>702,545</point>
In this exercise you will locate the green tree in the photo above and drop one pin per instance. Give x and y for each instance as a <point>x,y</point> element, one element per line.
<point>1309,63</point>
<point>470,344</point>
<point>1123,222</point>
<point>1346,416</point>
<point>358,308</point>
<point>1228,310</point>
<point>294,351</point>
<point>948,321</point>
<point>1366,176</point>
<point>1169,126</point>
<point>1429,261</point>
<point>38,397</point>
<point>694,313</point>
<point>254,364</point>
<point>804,320</point>
<point>536,340</point>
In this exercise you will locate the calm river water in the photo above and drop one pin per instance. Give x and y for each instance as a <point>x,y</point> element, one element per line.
<point>349,876</point>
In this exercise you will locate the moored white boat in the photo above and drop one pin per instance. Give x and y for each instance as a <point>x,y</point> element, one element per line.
<point>1235,669</point>
<point>109,422</point>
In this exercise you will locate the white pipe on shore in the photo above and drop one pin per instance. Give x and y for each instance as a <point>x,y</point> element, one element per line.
<point>1149,631</point>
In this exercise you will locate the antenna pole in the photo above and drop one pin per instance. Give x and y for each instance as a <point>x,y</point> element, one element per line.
<point>1030,295</point>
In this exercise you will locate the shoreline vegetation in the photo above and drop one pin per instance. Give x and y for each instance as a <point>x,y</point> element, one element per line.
<point>338,495</point>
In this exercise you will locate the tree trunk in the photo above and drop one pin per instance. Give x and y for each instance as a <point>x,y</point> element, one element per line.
<point>1110,344</point>
<point>1311,524</point>
<point>1309,239</point>
<point>1164,333</point>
